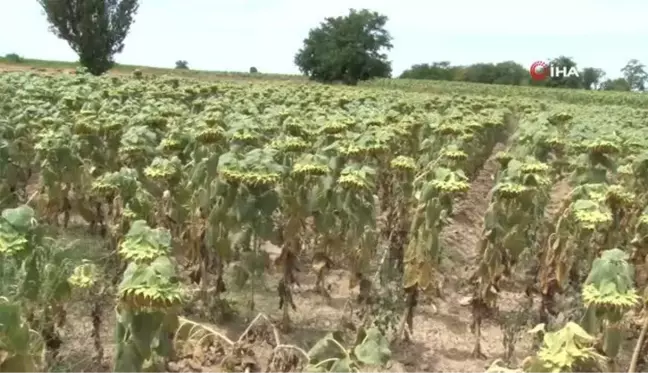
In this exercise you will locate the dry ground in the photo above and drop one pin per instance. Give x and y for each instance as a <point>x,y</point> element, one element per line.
<point>127,70</point>
<point>5,67</point>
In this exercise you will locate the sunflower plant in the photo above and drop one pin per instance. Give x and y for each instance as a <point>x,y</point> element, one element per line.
<point>149,296</point>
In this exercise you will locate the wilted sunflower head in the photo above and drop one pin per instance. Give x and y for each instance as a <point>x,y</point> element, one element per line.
<point>376,149</point>
<point>450,186</point>
<point>610,284</point>
<point>503,158</point>
<point>352,180</point>
<point>536,180</point>
<point>625,169</point>
<point>608,296</point>
<point>83,127</point>
<point>150,287</point>
<point>559,118</point>
<point>244,136</point>
<point>129,214</point>
<point>290,144</point>
<point>210,135</point>
<point>403,163</point>
<point>640,239</point>
<point>156,173</point>
<point>450,129</point>
<point>331,128</point>
<point>260,179</point>
<point>617,195</point>
<point>130,151</point>
<point>170,145</point>
<point>231,175</point>
<point>534,168</point>
<point>293,126</point>
<point>494,122</point>
<point>352,150</point>
<point>591,219</point>
<point>310,169</point>
<point>144,244</point>
<point>103,188</point>
<point>454,154</point>
<point>84,276</point>
<point>14,225</point>
<point>602,147</point>
<point>555,142</point>
<point>11,241</point>
<point>509,190</point>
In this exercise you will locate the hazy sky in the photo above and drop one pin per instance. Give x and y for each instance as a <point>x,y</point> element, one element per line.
<point>236,34</point>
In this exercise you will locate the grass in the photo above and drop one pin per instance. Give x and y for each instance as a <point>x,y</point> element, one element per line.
<point>196,74</point>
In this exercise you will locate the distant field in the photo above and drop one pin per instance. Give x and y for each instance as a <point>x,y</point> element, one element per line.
<point>632,99</point>
<point>29,63</point>
<point>571,96</point>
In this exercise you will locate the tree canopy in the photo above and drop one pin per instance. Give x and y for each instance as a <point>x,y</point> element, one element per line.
<point>94,29</point>
<point>635,74</point>
<point>512,73</point>
<point>565,81</point>
<point>348,48</point>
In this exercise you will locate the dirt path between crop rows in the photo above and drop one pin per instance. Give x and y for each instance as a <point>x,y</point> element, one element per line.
<point>443,341</point>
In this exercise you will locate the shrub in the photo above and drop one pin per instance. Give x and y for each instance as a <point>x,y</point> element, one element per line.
<point>14,58</point>
<point>182,64</point>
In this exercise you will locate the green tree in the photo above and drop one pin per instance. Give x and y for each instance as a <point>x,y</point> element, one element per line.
<point>480,73</point>
<point>347,48</point>
<point>437,71</point>
<point>507,72</point>
<point>13,58</point>
<point>510,73</point>
<point>635,74</point>
<point>182,65</point>
<point>591,77</point>
<point>573,82</point>
<point>94,29</point>
<point>619,84</point>
<point>418,71</point>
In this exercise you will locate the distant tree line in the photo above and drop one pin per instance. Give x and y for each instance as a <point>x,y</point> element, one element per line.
<point>512,73</point>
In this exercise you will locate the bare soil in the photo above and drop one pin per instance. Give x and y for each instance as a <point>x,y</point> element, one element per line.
<point>4,67</point>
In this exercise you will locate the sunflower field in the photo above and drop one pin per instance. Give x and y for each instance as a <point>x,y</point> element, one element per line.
<point>158,223</point>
